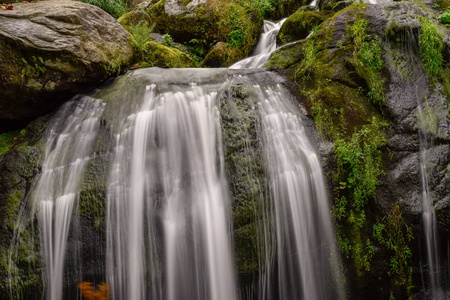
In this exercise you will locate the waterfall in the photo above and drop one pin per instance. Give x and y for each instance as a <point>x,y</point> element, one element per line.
<point>266,45</point>
<point>168,206</point>
<point>428,213</point>
<point>308,263</point>
<point>67,152</point>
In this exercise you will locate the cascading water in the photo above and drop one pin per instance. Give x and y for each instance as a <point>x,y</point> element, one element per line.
<point>168,204</point>
<point>428,213</point>
<point>56,194</point>
<point>266,45</point>
<point>307,260</point>
<point>168,189</point>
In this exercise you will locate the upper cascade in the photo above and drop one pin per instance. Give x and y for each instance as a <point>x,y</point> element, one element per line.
<point>266,45</point>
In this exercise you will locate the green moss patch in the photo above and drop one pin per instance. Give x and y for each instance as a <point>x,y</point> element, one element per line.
<point>166,57</point>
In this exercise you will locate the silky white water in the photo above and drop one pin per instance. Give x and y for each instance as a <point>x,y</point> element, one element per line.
<point>307,259</point>
<point>168,207</point>
<point>266,45</point>
<point>67,152</point>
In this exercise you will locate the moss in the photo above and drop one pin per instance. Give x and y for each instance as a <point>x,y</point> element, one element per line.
<point>234,22</point>
<point>166,57</point>
<point>8,139</point>
<point>244,168</point>
<point>299,25</point>
<point>285,56</point>
<point>12,208</point>
<point>133,18</point>
<point>218,56</point>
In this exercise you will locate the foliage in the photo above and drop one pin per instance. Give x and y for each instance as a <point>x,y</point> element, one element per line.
<point>89,292</point>
<point>235,25</point>
<point>445,17</point>
<point>141,34</point>
<point>8,139</point>
<point>359,166</point>
<point>309,63</point>
<point>167,40</point>
<point>368,55</point>
<point>431,46</point>
<point>393,232</point>
<point>115,8</point>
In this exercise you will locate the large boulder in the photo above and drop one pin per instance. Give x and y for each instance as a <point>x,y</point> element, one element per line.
<point>50,50</point>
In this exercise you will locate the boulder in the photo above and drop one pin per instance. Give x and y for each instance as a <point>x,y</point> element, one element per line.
<point>166,57</point>
<point>134,18</point>
<point>217,56</point>
<point>50,50</point>
<point>299,25</point>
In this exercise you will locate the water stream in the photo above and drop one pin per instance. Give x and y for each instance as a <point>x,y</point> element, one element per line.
<point>69,143</point>
<point>169,207</point>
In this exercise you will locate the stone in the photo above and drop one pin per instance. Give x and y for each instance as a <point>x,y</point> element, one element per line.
<point>166,57</point>
<point>299,25</point>
<point>217,56</point>
<point>50,50</point>
<point>134,18</point>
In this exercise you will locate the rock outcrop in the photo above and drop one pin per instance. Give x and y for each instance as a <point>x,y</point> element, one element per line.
<point>50,50</point>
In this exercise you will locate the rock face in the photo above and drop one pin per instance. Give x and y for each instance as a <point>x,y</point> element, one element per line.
<point>50,50</point>
<point>412,104</point>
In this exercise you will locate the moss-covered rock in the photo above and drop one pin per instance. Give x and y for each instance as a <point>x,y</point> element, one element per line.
<point>133,18</point>
<point>299,25</point>
<point>166,57</point>
<point>333,5</point>
<point>246,175</point>
<point>67,46</point>
<point>19,236</point>
<point>201,24</point>
<point>217,57</point>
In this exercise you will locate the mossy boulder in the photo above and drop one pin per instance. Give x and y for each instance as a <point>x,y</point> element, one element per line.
<point>50,50</point>
<point>217,56</point>
<point>166,57</point>
<point>134,18</point>
<point>299,25</point>
<point>283,8</point>
<point>333,5</point>
<point>201,24</point>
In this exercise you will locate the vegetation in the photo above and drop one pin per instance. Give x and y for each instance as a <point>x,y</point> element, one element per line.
<point>8,139</point>
<point>445,17</point>
<point>368,55</point>
<point>89,292</point>
<point>359,166</point>
<point>431,46</point>
<point>115,8</point>
<point>393,232</point>
<point>141,34</point>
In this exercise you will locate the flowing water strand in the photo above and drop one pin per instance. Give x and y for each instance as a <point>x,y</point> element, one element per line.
<point>428,213</point>
<point>168,207</point>
<point>307,259</point>
<point>69,142</point>
<point>266,45</point>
